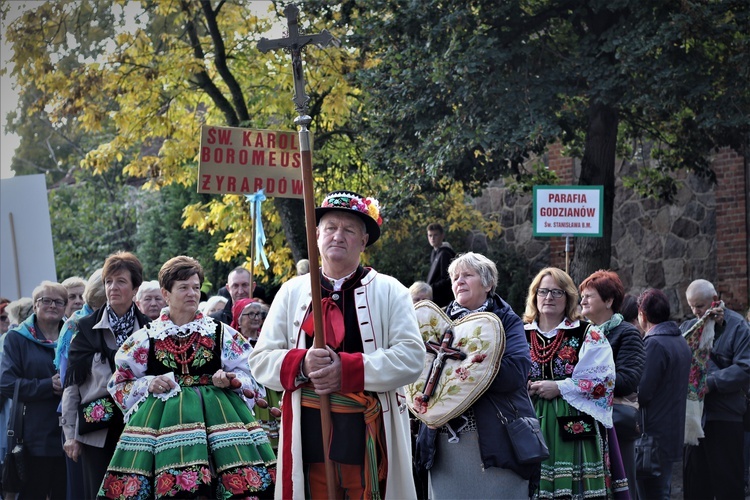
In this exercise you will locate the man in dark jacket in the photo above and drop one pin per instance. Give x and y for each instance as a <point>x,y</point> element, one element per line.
<point>240,285</point>
<point>440,258</point>
<point>714,468</point>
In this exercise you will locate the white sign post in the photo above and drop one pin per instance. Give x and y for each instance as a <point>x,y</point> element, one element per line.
<point>27,256</point>
<point>568,211</point>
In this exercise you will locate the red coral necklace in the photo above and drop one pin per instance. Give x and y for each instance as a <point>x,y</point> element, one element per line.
<point>544,354</point>
<point>180,348</point>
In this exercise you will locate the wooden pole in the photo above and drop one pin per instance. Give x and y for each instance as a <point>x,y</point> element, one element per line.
<point>319,340</point>
<point>295,42</point>
<point>15,254</point>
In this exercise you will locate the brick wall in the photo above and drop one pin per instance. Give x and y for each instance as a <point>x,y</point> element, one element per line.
<point>731,229</point>
<point>564,168</point>
<point>731,239</point>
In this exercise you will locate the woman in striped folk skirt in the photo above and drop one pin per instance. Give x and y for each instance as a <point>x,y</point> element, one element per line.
<point>184,385</point>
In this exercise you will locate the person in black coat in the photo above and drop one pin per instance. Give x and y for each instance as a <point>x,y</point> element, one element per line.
<point>602,294</point>
<point>28,359</point>
<point>440,258</point>
<point>719,377</point>
<point>661,393</point>
<point>91,363</point>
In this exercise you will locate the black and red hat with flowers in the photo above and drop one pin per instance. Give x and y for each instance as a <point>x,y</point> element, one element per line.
<point>367,209</point>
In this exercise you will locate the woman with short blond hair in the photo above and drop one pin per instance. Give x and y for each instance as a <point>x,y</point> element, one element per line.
<point>472,456</point>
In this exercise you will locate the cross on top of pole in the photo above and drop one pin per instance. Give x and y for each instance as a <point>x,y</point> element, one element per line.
<point>295,42</point>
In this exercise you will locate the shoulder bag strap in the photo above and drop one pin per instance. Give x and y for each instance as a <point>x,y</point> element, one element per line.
<point>643,420</point>
<point>15,423</point>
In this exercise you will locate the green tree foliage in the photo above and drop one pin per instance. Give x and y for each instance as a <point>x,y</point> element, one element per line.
<point>91,219</point>
<point>48,144</point>
<point>471,90</point>
<point>167,69</point>
<point>159,238</point>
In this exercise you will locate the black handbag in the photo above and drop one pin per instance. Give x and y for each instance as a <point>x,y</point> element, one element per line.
<point>98,414</point>
<point>647,461</point>
<point>576,427</point>
<point>16,467</point>
<point>626,419</point>
<point>746,415</point>
<point>526,438</point>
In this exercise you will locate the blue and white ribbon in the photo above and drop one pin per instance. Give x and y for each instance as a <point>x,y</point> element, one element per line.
<point>255,201</point>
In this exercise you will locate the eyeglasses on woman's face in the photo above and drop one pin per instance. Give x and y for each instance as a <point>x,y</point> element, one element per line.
<point>254,314</point>
<point>556,292</point>
<point>48,302</point>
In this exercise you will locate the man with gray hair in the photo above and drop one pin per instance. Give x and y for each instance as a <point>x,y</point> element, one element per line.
<point>719,340</point>
<point>240,285</point>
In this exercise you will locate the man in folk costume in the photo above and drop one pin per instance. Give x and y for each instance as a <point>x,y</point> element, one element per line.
<point>719,373</point>
<point>374,347</point>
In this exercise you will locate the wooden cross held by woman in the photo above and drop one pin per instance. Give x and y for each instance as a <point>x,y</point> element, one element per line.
<point>442,351</point>
<point>294,43</point>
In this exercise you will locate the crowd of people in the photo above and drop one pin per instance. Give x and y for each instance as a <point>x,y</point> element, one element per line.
<point>129,388</point>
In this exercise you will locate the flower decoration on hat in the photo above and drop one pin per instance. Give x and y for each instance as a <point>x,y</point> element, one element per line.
<point>366,208</point>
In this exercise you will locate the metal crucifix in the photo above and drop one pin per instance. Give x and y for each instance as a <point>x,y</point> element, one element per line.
<point>295,42</point>
<point>442,351</point>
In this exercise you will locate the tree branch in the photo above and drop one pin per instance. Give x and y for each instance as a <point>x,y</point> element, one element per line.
<point>221,60</point>
<point>203,80</point>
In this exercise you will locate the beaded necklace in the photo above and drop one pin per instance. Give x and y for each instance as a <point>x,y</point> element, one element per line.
<point>544,354</point>
<point>180,348</point>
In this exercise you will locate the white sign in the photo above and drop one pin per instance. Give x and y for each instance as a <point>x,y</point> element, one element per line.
<point>241,161</point>
<point>568,210</point>
<point>26,254</point>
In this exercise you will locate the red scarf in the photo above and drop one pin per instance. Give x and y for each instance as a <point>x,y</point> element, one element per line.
<point>333,323</point>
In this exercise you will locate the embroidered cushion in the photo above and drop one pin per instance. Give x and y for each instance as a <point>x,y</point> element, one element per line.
<point>470,361</point>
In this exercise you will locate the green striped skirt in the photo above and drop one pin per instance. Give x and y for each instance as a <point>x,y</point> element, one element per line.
<point>575,469</point>
<point>202,442</point>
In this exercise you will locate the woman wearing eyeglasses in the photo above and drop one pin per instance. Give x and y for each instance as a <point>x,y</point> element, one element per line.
<point>28,357</point>
<point>4,320</point>
<point>248,317</point>
<point>571,382</point>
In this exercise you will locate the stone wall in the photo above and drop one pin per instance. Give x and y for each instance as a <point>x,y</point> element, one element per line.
<point>653,244</point>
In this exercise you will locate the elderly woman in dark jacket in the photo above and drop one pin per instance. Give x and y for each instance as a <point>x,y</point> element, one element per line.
<point>453,469</point>
<point>661,393</point>
<point>91,422</point>
<point>602,294</point>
